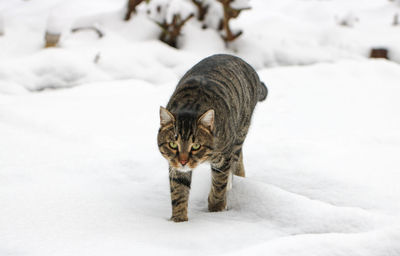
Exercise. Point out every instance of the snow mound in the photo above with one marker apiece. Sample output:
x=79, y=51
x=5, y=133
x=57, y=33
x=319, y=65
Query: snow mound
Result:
x=295, y=213
x=51, y=69
x=274, y=34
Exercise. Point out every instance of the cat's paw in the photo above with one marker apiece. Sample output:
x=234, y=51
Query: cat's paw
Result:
x=217, y=207
x=179, y=218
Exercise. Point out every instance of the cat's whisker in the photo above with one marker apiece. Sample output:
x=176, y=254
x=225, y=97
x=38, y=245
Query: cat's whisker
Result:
x=216, y=169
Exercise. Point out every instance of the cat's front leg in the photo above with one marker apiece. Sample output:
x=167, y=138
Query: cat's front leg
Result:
x=217, y=197
x=180, y=187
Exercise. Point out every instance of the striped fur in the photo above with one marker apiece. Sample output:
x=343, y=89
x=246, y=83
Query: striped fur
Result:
x=211, y=107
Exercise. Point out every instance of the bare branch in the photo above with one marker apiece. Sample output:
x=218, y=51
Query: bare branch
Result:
x=99, y=33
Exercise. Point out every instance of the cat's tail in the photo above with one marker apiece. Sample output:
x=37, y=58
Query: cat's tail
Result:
x=262, y=92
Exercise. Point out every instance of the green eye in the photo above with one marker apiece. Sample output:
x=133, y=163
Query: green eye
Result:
x=196, y=146
x=173, y=145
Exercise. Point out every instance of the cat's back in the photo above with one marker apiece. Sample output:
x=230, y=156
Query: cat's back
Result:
x=219, y=67
x=215, y=78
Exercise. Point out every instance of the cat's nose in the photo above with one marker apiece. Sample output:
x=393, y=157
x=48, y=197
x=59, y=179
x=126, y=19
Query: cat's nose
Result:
x=183, y=158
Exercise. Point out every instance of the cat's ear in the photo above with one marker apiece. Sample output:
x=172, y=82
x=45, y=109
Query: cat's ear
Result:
x=165, y=116
x=207, y=119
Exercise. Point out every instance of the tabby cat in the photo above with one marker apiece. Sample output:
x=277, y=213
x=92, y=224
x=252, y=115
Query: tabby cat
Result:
x=207, y=119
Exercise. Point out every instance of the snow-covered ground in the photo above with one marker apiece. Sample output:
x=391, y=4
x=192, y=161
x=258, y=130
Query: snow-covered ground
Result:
x=80, y=171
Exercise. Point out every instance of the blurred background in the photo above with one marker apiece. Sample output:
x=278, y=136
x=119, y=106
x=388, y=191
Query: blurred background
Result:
x=119, y=39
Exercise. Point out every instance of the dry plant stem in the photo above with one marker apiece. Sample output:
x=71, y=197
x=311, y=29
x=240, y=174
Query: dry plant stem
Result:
x=131, y=8
x=171, y=31
x=379, y=53
x=51, y=40
x=230, y=13
x=396, y=19
x=202, y=9
x=98, y=31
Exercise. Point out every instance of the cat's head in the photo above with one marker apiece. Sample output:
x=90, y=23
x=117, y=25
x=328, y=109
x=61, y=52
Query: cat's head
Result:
x=186, y=139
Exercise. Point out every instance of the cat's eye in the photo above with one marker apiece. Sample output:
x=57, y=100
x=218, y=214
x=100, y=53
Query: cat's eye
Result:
x=173, y=145
x=196, y=146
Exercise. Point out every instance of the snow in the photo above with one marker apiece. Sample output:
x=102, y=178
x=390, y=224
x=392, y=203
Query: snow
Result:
x=55, y=25
x=165, y=10
x=240, y=4
x=81, y=167
x=1, y=24
x=80, y=171
x=179, y=7
x=215, y=14
x=275, y=34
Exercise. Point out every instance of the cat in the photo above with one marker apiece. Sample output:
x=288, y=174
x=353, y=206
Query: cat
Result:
x=207, y=119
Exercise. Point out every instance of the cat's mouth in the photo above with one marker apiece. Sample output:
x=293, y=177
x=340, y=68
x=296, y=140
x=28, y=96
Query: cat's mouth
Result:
x=184, y=168
x=190, y=165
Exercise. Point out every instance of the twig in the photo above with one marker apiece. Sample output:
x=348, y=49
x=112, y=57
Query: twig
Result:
x=95, y=29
